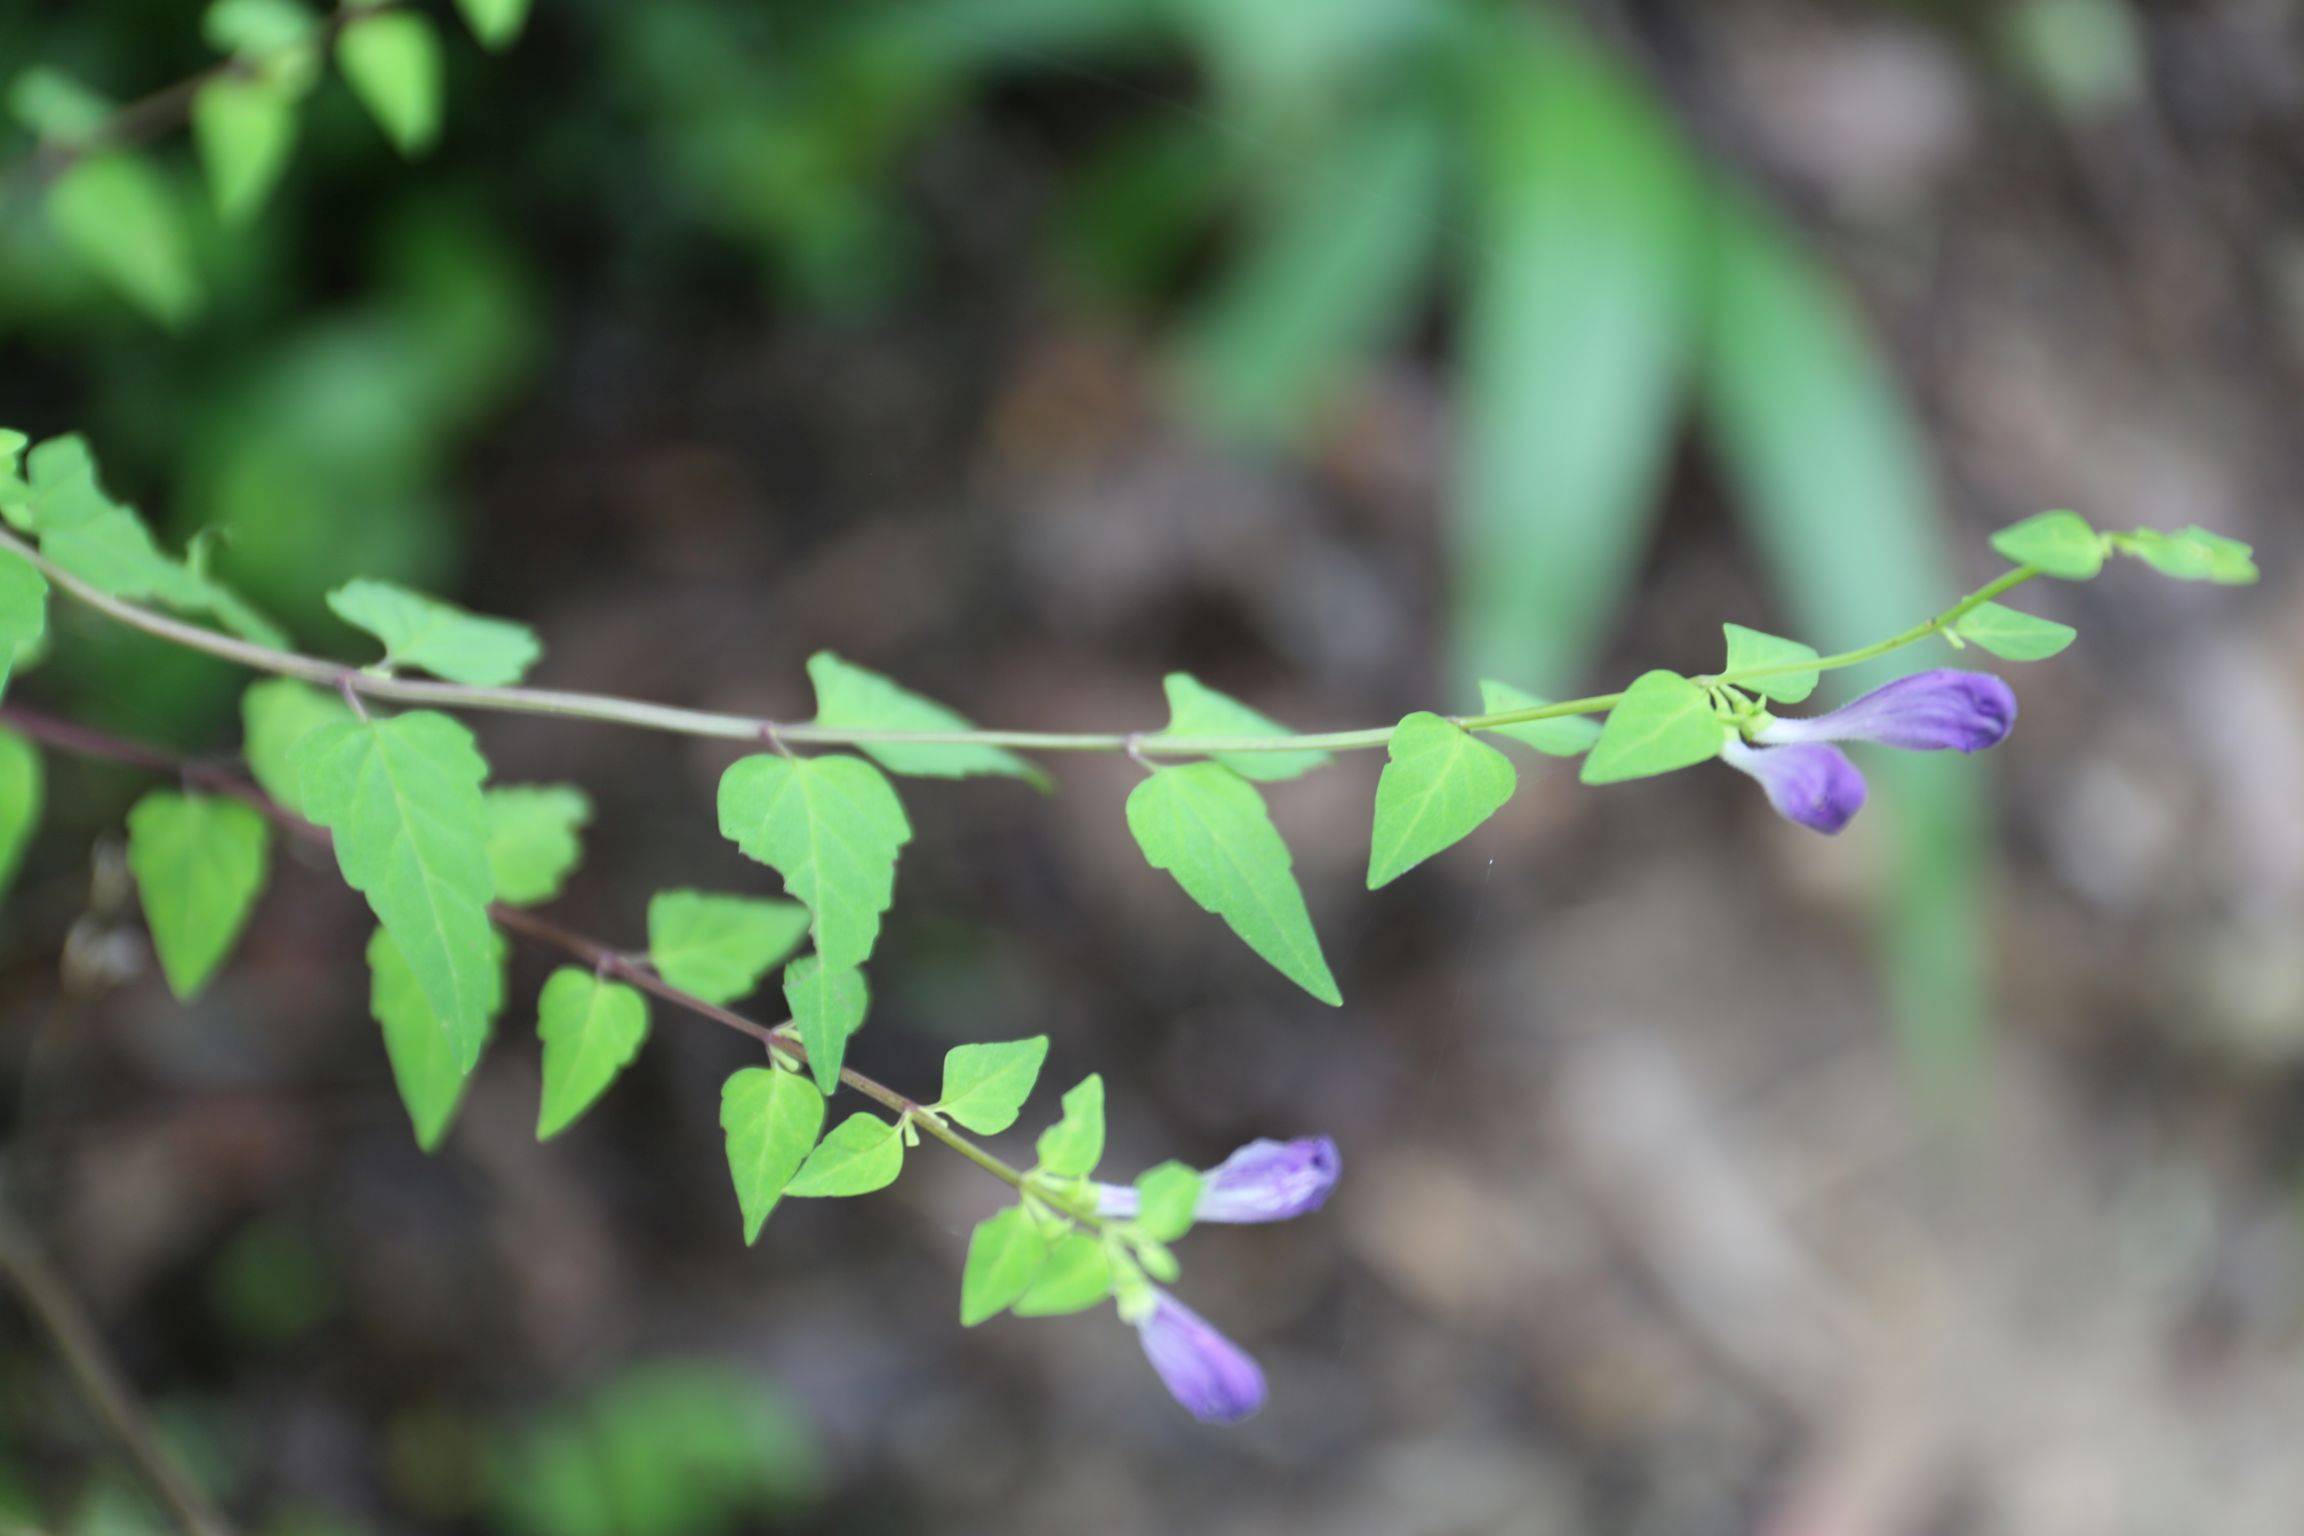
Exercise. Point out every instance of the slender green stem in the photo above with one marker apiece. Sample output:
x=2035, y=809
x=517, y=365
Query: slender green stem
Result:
x=643, y=715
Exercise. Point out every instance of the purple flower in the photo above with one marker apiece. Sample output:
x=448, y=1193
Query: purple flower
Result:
x=1209, y=1374
x=1926, y=712
x=1265, y=1180
x=1812, y=784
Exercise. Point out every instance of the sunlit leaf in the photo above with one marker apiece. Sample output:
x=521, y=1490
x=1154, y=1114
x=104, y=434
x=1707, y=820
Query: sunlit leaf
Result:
x=591, y=1029
x=985, y=1085
x=863, y=1153
x=827, y=1004
x=832, y=827
x=771, y=1119
x=1439, y=783
x=1663, y=722
x=1207, y=826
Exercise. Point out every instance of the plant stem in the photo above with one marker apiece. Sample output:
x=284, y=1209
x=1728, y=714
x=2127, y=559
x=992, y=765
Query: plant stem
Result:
x=100, y=1380
x=643, y=715
x=84, y=741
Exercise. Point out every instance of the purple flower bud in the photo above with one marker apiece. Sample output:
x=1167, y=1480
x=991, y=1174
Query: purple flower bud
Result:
x=1926, y=712
x=1209, y=1374
x=1812, y=784
x=1265, y=1180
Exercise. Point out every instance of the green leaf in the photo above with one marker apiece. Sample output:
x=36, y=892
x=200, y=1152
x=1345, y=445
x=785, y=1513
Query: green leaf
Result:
x=104, y=542
x=442, y=639
x=532, y=843
x=985, y=1086
x=23, y=613
x=2192, y=555
x=2059, y=544
x=771, y=1118
x=1166, y=1197
x=828, y=1004
x=256, y=29
x=849, y=697
x=1076, y=1275
x=832, y=827
x=1206, y=826
x=1562, y=736
x=1663, y=722
x=495, y=22
x=1074, y=1145
x=392, y=63
x=1005, y=1254
x=2011, y=635
x=591, y=1029
x=402, y=796
x=1439, y=783
x=1195, y=709
x=57, y=107
x=1341, y=260
x=199, y=862
x=125, y=221
x=718, y=947
x=425, y=1067
x=1750, y=648
x=245, y=130
x=275, y=717
x=21, y=791
x=863, y=1153
x=1583, y=263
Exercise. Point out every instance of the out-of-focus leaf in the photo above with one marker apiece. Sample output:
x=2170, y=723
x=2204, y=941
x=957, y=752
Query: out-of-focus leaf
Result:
x=21, y=783
x=1330, y=274
x=392, y=62
x=1075, y=1276
x=275, y=717
x=495, y=22
x=125, y=221
x=718, y=947
x=532, y=841
x=1834, y=486
x=245, y=130
x=23, y=613
x=199, y=862
x=2012, y=635
x=2059, y=544
x=440, y=638
x=55, y=106
x=1576, y=329
x=1565, y=736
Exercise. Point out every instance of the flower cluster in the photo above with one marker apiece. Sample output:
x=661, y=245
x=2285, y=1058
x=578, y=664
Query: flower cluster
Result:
x=1812, y=782
x=1217, y=1381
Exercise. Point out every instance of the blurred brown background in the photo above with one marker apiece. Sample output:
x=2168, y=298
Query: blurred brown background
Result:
x=1701, y=1175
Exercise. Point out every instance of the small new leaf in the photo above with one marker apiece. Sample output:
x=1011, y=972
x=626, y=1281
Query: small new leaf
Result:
x=2059, y=544
x=771, y=1119
x=863, y=1153
x=1074, y=1145
x=2195, y=554
x=718, y=947
x=1076, y=1275
x=23, y=613
x=21, y=783
x=850, y=697
x=1195, y=709
x=440, y=638
x=1166, y=1197
x=1663, y=722
x=392, y=62
x=1005, y=1254
x=985, y=1086
x=832, y=827
x=827, y=1005
x=591, y=1030
x=199, y=863
x=532, y=843
x=1206, y=826
x=402, y=797
x=275, y=717
x=424, y=1067
x=2012, y=635
x=1563, y=736
x=1439, y=783
x=1751, y=648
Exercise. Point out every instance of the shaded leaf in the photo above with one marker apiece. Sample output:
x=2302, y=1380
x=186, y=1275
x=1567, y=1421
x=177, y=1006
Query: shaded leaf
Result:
x=392, y=62
x=718, y=947
x=425, y=1067
x=2059, y=544
x=199, y=863
x=22, y=787
x=2012, y=635
x=245, y=130
x=23, y=613
x=124, y=220
x=275, y=717
x=532, y=842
